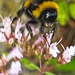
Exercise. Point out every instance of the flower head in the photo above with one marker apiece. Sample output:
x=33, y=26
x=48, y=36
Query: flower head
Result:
x=34, y=30
x=18, y=33
x=3, y=61
x=2, y=37
x=7, y=21
x=71, y=50
x=68, y=53
x=54, y=50
x=66, y=56
x=40, y=39
x=7, y=26
x=49, y=37
x=15, y=68
x=14, y=53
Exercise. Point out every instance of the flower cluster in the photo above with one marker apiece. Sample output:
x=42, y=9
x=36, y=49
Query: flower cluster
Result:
x=15, y=65
x=19, y=38
x=6, y=33
x=68, y=53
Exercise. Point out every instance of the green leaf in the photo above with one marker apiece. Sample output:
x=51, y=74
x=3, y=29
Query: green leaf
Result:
x=53, y=61
x=33, y=66
x=67, y=67
x=25, y=61
x=63, y=15
x=49, y=73
x=29, y=65
x=72, y=10
x=6, y=53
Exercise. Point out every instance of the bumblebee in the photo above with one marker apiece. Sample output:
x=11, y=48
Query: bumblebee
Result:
x=43, y=11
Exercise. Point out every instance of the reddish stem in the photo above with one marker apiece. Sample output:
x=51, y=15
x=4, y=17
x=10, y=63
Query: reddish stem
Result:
x=49, y=68
x=44, y=68
x=40, y=64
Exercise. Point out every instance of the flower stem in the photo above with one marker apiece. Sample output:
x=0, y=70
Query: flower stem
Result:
x=51, y=67
x=40, y=64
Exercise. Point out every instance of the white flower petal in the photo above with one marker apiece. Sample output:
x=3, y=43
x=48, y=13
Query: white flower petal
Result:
x=54, y=50
x=14, y=53
x=71, y=50
x=7, y=26
x=15, y=68
x=49, y=37
x=66, y=56
x=2, y=37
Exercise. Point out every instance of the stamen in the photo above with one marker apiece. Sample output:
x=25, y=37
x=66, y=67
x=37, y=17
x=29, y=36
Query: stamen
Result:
x=59, y=41
x=62, y=46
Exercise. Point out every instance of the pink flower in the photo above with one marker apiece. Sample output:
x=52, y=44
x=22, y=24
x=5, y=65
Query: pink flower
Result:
x=27, y=35
x=40, y=39
x=53, y=50
x=18, y=33
x=34, y=30
x=15, y=68
x=1, y=74
x=26, y=32
x=49, y=37
x=68, y=53
x=71, y=50
x=14, y=53
x=6, y=21
x=2, y=37
x=66, y=56
x=7, y=26
x=3, y=61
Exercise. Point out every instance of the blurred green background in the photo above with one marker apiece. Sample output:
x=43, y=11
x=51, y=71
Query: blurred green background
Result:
x=65, y=28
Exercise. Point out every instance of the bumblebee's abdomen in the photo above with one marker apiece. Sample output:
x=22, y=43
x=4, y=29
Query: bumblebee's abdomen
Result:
x=45, y=5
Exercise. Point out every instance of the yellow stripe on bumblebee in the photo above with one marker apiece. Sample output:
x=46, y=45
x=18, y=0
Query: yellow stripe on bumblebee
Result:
x=27, y=3
x=43, y=6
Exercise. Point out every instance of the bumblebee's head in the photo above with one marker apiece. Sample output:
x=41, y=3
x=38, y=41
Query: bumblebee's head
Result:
x=49, y=16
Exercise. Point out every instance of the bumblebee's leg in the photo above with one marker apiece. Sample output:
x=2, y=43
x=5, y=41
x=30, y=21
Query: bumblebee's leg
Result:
x=19, y=13
x=42, y=29
x=28, y=25
x=54, y=30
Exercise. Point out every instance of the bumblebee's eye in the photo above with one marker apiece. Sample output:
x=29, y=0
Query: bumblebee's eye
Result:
x=49, y=15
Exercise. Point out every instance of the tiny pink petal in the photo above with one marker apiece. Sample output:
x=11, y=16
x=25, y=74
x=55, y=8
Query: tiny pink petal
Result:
x=34, y=30
x=40, y=39
x=67, y=56
x=49, y=37
x=53, y=50
x=14, y=53
x=7, y=26
x=71, y=50
x=15, y=68
x=2, y=37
